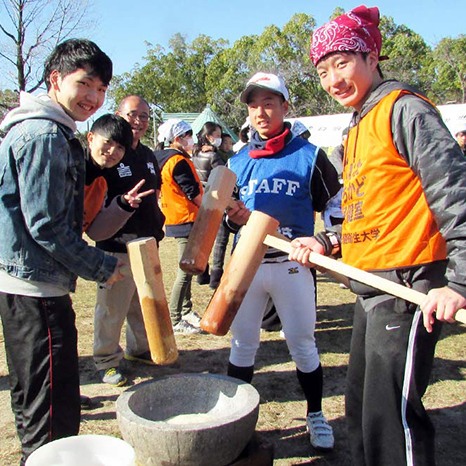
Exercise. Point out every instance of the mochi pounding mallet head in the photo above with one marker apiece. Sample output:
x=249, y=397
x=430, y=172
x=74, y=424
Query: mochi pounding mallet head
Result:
x=147, y=274
x=216, y=198
x=239, y=273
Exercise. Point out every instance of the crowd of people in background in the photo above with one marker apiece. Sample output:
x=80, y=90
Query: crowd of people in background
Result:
x=120, y=190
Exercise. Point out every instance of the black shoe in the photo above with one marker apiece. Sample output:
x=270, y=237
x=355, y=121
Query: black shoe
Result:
x=88, y=404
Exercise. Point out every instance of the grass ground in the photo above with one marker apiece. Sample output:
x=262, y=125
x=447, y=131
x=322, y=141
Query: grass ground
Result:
x=281, y=419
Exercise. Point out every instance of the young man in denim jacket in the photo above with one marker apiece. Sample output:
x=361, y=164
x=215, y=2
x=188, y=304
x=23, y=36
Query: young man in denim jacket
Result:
x=41, y=249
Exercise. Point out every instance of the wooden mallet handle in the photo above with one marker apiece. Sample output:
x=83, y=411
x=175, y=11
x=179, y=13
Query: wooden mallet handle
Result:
x=147, y=273
x=361, y=276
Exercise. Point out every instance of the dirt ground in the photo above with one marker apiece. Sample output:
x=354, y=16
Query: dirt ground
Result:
x=282, y=409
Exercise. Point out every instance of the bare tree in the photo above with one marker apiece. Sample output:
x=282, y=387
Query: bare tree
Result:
x=29, y=30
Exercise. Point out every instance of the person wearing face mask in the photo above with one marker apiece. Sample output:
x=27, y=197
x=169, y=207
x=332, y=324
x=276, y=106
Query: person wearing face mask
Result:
x=205, y=152
x=180, y=199
x=205, y=158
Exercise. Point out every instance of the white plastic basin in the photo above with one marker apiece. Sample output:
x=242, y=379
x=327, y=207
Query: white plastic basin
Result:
x=80, y=450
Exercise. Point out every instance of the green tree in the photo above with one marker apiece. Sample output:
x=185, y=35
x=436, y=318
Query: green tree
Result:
x=225, y=78
x=449, y=68
x=409, y=55
x=283, y=51
x=187, y=76
x=286, y=52
x=173, y=80
x=8, y=101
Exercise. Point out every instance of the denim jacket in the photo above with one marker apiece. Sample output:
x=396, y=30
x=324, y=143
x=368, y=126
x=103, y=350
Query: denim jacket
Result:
x=41, y=199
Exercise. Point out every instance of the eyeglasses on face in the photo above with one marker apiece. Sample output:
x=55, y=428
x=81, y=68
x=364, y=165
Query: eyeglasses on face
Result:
x=142, y=117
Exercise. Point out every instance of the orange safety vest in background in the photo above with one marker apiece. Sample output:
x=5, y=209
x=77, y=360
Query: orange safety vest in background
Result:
x=388, y=223
x=177, y=208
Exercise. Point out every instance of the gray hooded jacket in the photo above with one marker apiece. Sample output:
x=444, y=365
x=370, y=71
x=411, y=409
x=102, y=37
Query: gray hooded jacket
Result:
x=421, y=137
x=41, y=202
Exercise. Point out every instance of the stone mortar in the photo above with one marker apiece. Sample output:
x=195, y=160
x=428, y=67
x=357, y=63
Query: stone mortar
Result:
x=188, y=419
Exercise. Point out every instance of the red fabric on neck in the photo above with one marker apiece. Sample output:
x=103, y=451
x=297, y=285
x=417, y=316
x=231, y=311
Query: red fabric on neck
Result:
x=271, y=146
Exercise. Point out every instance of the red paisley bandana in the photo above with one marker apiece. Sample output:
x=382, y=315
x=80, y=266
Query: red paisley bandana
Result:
x=356, y=31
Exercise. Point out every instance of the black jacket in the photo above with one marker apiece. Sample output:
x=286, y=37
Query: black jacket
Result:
x=148, y=220
x=205, y=162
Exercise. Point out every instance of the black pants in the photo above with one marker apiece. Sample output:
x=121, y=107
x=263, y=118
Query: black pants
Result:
x=41, y=349
x=220, y=247
x=390, y=363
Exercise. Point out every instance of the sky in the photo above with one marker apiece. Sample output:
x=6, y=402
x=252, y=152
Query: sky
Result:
x=123, y=26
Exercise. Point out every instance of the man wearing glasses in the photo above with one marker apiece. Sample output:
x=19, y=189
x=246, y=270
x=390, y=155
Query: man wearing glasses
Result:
x=117, y=303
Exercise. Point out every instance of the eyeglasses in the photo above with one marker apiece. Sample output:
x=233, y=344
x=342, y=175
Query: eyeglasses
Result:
x=142, y=117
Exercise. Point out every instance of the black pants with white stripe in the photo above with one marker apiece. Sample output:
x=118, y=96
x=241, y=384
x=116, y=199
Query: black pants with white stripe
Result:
x=41, y=348
x=390, y=363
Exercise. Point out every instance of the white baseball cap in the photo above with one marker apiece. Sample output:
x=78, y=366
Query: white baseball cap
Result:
x=172, y=128
x=268, y=81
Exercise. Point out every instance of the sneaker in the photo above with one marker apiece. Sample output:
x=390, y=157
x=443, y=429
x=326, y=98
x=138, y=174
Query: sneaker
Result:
x=113, y=376
x=184, y=327
x=192, y=318
x=320, y=431
x=145, y=358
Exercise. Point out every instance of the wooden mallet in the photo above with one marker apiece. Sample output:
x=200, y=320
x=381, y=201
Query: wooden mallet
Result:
x=239, y=273
x=256, y=235
x=147, y=274
x=215, y=200
x=380, y=283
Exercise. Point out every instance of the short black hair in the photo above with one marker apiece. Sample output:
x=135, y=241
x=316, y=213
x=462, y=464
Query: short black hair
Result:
x=114, y=127
x=73, y=54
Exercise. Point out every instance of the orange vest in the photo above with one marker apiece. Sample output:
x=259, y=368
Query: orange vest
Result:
x=94, y=197
x=177, y=208
x=388, y=223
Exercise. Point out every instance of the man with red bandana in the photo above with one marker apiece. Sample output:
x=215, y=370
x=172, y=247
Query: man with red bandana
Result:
x=288, y=178
x=404, y=219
